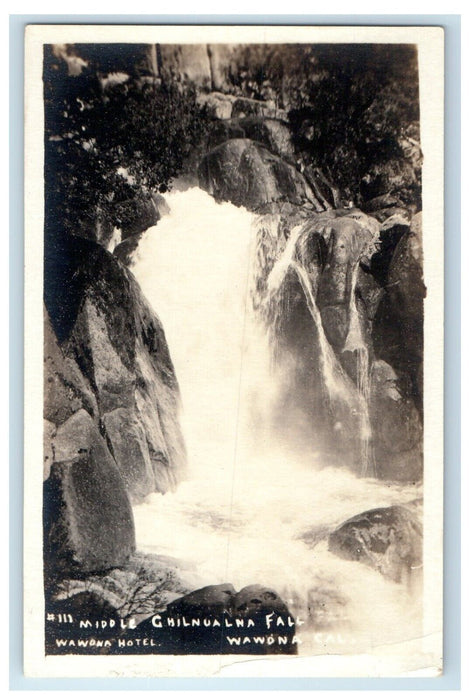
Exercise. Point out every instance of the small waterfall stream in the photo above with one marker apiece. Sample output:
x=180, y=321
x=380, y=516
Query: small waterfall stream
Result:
x=338, y=386
x=356, y=344
x=335, y=380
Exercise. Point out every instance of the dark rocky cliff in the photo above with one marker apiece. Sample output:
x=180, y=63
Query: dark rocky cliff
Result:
x=112, y=434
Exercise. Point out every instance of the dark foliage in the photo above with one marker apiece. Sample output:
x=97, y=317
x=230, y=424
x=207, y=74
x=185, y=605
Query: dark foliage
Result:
x=110, y=140
x=358, y=119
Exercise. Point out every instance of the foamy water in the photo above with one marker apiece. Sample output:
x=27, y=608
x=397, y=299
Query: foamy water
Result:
x=253, y=511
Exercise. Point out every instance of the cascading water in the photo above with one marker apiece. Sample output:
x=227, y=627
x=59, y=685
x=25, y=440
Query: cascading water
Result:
x=336, y=383
x=356, y=344
x=340, y=392
x=254, y=510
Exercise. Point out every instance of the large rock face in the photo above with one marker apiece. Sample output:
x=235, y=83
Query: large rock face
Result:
x=398, y=325
x=270, y=133
x=87, y=513
x=66, y=390
x=348, y=242
x=111, y=432
x=247, y=174
x=88, y=523
x=186, y=63
x=396, y=425
x=106, y=328
x=349, y=308
x=405, y=276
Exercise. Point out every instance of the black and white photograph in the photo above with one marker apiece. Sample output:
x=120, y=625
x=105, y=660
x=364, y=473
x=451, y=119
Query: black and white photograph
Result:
x=234, y=351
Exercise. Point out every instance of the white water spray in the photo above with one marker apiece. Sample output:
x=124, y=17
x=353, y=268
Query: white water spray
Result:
x=252, y=510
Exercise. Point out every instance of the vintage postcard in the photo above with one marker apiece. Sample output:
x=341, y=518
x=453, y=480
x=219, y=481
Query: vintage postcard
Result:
x=234, y=351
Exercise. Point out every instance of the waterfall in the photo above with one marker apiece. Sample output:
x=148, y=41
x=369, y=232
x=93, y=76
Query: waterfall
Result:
x=335, y=380
x=356, y=344
x=116, y=238
x=281, y=266
x=253, y=503
x=341, y=394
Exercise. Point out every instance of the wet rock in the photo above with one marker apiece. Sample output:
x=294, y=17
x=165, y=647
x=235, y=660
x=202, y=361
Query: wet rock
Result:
x=397, y=427
x=255, y=599
x=335, y=319
x=348, y=241
x=346, y=256
x=246, y=174
x=210, y=600
x=319, y=397
x=369, y=293
x=386, y=539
